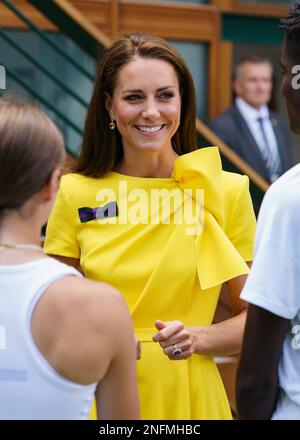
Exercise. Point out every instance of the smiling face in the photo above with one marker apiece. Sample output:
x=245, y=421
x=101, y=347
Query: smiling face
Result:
x=290, y=92
x=146, y=105
x=254, y=83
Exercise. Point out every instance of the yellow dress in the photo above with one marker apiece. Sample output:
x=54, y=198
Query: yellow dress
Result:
x=163, y=271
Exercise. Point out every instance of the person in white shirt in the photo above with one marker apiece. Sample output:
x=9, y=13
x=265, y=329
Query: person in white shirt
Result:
x=63, y=338
x=257, y=134
x=268, y=380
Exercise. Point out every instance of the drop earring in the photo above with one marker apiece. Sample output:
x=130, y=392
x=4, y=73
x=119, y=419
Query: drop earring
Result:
x=112, y=125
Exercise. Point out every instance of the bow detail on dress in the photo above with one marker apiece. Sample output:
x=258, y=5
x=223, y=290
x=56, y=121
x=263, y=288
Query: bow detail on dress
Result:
x=87, y=214
x=217, y=258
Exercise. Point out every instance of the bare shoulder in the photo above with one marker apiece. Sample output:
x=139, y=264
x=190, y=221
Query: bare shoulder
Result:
x=82, y=297
x=78, y=289
x=78, y=325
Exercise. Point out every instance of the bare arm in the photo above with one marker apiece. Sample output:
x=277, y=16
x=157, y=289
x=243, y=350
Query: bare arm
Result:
x=257, y=378
x=116, y=394
x=222, y=339
x=85, y=331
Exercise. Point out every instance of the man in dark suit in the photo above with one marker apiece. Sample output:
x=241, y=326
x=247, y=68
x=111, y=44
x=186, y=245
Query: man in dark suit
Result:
x=256, y=134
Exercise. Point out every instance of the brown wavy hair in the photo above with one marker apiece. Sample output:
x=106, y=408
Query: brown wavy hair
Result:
x=31, y=147
x=102, y=148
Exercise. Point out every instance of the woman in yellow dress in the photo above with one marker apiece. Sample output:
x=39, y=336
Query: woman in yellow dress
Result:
x=148, y=213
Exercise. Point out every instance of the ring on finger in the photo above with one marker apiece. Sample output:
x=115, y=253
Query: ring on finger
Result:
x=176, y=351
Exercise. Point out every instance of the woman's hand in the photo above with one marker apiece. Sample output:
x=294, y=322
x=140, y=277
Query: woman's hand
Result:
x=173, y=335
x=221, y=339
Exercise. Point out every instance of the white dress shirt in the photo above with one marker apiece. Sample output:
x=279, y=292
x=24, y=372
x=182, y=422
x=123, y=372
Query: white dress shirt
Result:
x=250, y=114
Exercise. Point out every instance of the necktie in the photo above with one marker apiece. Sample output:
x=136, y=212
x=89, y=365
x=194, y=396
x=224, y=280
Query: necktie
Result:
x=271, y=158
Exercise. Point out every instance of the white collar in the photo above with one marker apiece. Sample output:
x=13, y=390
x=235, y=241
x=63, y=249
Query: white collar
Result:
x=250, y=112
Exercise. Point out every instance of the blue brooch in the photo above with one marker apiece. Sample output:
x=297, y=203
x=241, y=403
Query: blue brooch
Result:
x=86, y=214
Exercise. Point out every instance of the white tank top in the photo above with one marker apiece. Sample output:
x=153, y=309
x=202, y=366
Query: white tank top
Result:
x=30, y=388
